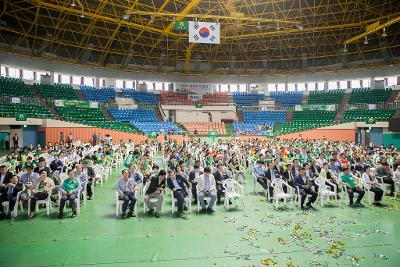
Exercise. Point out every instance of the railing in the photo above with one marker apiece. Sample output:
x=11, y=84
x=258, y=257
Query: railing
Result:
x=23, y=99
x=13, y=114
x=377, y=106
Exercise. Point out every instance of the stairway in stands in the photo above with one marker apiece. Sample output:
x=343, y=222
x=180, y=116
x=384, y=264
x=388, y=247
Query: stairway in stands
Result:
x=342, y=108
x=289, y=116
x=239, y=113
x=392, y=98
x=105, y=112
x=80, y=95
x=47, y=103
x=304, y=100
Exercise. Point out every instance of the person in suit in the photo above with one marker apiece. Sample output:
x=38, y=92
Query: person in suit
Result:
x=302, y=181
x=315, y=169
x=180, y=188
x=288, y=174
x=277, y=167
x=207, y=188
x=15, y=141
x=12, y=187
x=259, y=173
x=370, y=179
x=330, y=176
x=156, y=190
x=219, y=179
x=193, y=179
x=271, y=174
x=89, y=172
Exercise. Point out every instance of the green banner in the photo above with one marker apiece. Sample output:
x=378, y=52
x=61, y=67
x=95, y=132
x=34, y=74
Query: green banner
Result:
x=77, y=104
x=21, y=117
x=152, y=134
x=270, y=134
x=315, y=107
x=370, y=120
x=199, y=105
x=181, y=25
x=212, y=134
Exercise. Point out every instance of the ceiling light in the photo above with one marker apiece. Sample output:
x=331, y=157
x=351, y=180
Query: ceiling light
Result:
x=384, y=34
x=126, y=17
x=365, y=40
x=300, y=27
x=82, y=14
x=345, y=48
x=258, y=25
x=73, y=3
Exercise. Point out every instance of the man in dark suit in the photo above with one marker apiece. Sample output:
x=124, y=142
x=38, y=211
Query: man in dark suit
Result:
x=5, y=178
x=271, y=174
x=219, y=178
x=180, y=188
x=90, y=175
x=156, y=190
x=288, y=175
x=193, y=179
x=42, y=166
x=315, y=169
x=302, y=181
x=277, y=167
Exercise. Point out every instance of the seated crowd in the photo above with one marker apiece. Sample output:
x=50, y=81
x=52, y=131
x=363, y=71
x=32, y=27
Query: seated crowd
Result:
x=193, y=171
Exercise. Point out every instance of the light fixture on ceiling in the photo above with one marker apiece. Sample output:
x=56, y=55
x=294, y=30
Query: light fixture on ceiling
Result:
x=151, y=19
x=300, y=27
x=365, y=40
x=82, y=14
x=73, y=4
x=126, y=17
x=384, y=34
x=258, y=25
x=345, y=48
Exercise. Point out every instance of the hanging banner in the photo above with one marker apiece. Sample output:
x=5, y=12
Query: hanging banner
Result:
x=194, y=97
x=212, y=134
x=21, y=117
x=315, y=107
x=152, y=134
x=15, y=100
x=77, y=104
x=181, y=25
x=370, y=120
x=371, y=106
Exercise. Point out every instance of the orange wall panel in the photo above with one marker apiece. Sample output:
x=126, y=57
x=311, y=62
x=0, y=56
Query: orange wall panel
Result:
x=332, y=135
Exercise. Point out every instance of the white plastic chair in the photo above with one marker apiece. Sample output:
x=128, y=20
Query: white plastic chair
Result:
x=231, y=187
x=279, y=194
x=18, y=202
x=187, y=199
x=367, y=187
x=77, y=200
x=382, y=185
x=99, y=174
x=358, y=181
x=323, y=190
x=46, y=202
x=119, y=202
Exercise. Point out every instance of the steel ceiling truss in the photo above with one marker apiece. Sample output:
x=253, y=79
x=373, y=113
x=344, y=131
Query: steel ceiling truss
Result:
x=280, y=32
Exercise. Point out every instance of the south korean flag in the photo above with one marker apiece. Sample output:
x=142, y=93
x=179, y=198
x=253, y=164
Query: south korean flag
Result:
x=204, y=32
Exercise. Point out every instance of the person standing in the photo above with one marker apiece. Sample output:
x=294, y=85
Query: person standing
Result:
x=15, y=141
x=7, y=141
x=62, y=138
x=94, y=139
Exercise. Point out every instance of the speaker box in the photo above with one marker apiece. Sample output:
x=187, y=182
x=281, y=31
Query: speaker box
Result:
x=394, y=125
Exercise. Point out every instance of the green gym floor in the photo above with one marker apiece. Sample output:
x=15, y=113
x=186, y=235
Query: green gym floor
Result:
x=256, y=236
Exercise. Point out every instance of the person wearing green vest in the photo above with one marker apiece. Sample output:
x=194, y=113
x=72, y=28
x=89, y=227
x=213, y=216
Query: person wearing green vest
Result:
x=70, y=191
x=348, y=181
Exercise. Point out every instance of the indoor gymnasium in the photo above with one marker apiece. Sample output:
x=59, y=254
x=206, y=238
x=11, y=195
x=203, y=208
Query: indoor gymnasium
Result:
x=180, y=133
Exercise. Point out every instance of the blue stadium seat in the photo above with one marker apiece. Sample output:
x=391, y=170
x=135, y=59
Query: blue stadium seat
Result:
x=138, y=115
x=287, y=98
x=99, y=95
x=264, y=117
x=159, y=127
x=245, y=99
x=140, y=97
x=252, y=128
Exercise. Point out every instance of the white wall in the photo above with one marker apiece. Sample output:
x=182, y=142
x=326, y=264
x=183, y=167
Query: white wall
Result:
x=111, y=74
